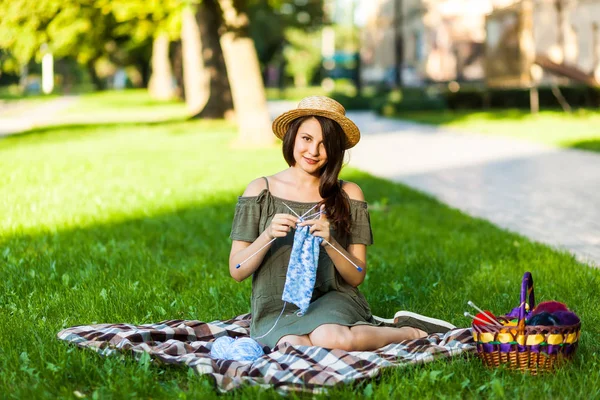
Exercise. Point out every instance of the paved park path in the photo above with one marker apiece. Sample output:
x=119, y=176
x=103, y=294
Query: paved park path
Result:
x=548, y=194
x=21, y=116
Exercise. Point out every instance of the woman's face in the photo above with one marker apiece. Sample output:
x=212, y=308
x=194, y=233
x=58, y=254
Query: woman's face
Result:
x=309, y=150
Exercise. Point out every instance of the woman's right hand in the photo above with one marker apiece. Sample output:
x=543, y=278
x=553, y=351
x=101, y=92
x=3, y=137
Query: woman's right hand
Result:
x=280, y=225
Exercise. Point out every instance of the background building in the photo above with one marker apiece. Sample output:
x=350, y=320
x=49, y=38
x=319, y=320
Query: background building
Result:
x=446, y=40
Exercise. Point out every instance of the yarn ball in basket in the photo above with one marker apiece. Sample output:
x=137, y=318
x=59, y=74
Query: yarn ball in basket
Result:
x=544, y=318
x=550, y=307
x=488, y=317
x=567, y=317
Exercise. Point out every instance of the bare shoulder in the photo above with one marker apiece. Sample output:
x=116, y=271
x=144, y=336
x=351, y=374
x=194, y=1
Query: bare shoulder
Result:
x=353, y=191
x=255, y=187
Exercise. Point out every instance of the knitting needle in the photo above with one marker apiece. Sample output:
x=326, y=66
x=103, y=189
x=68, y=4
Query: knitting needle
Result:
x=483, y=312
x=255, y=253
x=478, y=319
x=300, y=217
x=475, y=307
x=332, y=246
x=314, y=215
x=312, y=208
x=272, y=240
x=343, y=255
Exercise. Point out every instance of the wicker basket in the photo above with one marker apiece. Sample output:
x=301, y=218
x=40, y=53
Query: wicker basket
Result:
x=522, y=347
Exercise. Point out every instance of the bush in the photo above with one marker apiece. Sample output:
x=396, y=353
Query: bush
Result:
x=576, y=96
x=358, y=102
x=408, y=99
x=391, y=102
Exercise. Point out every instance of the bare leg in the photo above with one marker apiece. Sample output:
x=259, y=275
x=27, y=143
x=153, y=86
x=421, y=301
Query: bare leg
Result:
x=373, y=337
x=302, y=340
x=361, y=337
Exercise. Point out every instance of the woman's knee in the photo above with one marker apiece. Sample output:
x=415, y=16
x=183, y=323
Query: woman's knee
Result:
x=333, y=337
x=295, y=340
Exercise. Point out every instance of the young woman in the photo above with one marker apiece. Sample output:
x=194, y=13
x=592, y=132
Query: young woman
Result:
x=315, y=137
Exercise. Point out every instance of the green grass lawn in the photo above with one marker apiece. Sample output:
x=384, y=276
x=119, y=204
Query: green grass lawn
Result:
x=130, y=223
x=121, y=107
x=580, y=129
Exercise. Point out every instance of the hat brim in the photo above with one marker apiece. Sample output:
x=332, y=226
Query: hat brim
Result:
x=282, y=123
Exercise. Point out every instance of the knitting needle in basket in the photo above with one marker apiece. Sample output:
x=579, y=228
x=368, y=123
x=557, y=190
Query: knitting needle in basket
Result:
x=466, y=314
x=332, y=246
x=483, y=312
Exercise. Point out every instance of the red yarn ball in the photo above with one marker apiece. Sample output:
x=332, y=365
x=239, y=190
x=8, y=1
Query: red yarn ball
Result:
x=550, y=307
x=488, y=317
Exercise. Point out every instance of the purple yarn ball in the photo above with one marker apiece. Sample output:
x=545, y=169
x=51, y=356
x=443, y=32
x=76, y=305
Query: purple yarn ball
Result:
x=567, y=317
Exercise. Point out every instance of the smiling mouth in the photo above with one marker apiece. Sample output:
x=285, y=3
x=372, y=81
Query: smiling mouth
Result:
x=308, y=160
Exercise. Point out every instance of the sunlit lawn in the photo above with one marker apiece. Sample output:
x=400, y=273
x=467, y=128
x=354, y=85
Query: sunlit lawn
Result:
x=132, y=105
x=130, y=223
x=580, y=129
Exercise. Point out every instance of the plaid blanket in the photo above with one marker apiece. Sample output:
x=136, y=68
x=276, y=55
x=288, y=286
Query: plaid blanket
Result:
x=286, y=367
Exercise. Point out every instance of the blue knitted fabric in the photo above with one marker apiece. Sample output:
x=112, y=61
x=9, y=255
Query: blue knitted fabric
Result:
x=302, y=269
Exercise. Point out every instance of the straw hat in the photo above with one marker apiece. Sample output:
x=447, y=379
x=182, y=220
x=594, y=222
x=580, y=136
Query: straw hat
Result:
x=321, y=106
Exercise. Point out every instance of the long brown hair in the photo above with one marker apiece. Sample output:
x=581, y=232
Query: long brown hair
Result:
x=336, y=202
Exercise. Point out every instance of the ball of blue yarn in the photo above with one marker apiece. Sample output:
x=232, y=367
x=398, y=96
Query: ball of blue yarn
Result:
x=246, y=349
x=241, y=349
x=220, y=347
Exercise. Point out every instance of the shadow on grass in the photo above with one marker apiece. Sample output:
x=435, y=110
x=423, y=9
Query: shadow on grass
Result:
x=427, y=258
x=422, y=249
x=589, y=145
x=184, y=252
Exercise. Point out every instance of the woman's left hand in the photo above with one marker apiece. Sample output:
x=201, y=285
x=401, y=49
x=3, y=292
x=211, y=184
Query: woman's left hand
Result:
x=319, y=227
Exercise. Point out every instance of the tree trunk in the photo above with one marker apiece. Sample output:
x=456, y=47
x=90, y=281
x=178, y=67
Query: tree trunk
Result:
x=23, y=77
x=247, y=88
x=219, y=103
x=398, y=41
x=194, y=77
x=144, y=68
x=161, y=80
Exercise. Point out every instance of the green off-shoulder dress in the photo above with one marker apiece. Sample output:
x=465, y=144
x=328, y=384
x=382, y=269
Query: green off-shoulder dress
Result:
x=334, y=301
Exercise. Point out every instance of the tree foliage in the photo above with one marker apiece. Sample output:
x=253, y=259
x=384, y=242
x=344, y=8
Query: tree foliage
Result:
x=120, y=30
x=302, y=54
x=143, y=19
x=269, y=20
x=67, y=28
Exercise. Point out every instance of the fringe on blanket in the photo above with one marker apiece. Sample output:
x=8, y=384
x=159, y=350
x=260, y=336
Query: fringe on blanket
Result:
x=286, y=368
